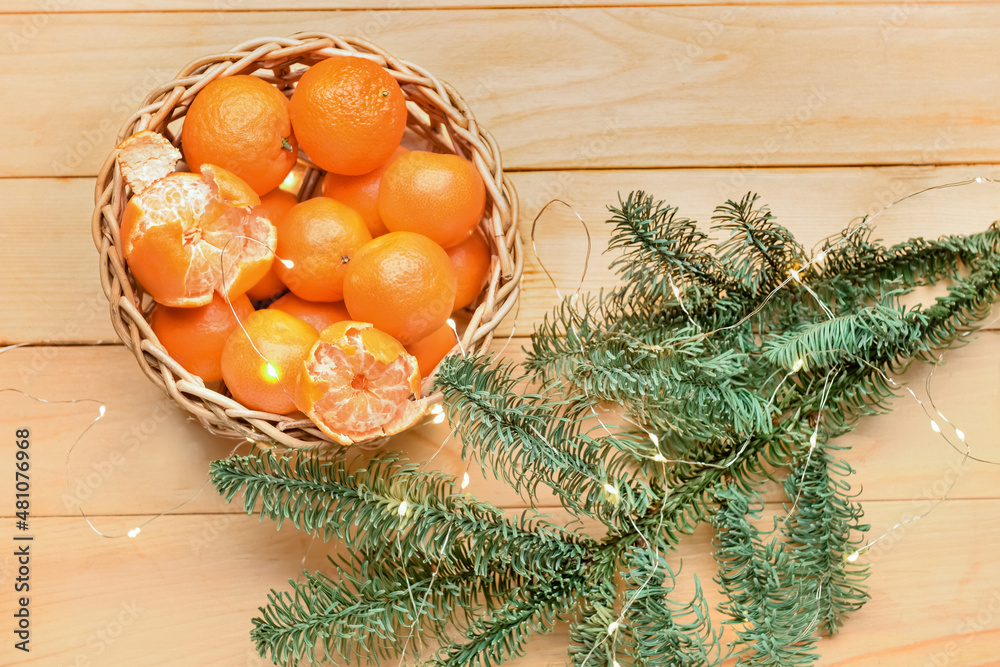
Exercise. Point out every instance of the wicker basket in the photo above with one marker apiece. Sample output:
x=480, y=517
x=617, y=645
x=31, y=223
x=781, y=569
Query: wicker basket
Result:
x=437, y=114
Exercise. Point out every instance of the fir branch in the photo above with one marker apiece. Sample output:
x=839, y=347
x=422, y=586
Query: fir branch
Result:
x=724, y=403
x=661, y=631
x=775, y=620
x=503, y=634
x=825, y=528
x=534, y=439
x=759, y=253
x=830, y=342
x=660, y=249
x=854, y=264
x=361, y=507
x=588, y=636
x=321, y=620
x=375, y=609
x=969, y=301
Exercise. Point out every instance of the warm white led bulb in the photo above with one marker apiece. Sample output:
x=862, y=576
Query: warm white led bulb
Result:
x=812, y=439
x=935, y=427
x=853, y=557
x=437, y=409
x=134, y=532
x=797, y=366
x=613, y=628
x=102, y=410
x=610, y=489
x=677, y=291
x=960, y=434
x=465, y=480
x=403, y=506
x=820, y=256
x=439, y=418
x=270, y=371
x=656, y=440
x=660, y=458
x=795, y=275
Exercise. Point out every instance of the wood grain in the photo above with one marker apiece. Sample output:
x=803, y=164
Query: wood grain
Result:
x=34, y=7
x=146, y=442
x=188, y=585
x=830, y=110
x=687, y=86
x=59, y=268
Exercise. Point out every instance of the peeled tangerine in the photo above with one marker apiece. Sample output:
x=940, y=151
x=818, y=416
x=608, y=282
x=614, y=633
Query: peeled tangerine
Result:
x=359, y=383
x=186, y=236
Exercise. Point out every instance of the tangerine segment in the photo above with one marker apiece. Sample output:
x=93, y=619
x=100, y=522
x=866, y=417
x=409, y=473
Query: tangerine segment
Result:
x=349, y=114
x=175, y=232
x=403, y=283
x=241, y=123
x=440, y=196
x=262, y=374
x=358, y=383
x=194, y=337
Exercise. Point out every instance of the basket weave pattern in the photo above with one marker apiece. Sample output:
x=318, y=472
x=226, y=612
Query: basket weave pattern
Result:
x=437, y=114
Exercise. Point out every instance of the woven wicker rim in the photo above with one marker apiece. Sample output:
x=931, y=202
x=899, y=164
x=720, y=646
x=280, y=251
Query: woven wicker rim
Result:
x=437, y=113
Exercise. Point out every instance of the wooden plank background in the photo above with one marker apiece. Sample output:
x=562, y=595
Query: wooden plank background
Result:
x=830, y=110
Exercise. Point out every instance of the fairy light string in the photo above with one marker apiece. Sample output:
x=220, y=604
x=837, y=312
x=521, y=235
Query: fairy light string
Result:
x=795, y=276
x=102, y=410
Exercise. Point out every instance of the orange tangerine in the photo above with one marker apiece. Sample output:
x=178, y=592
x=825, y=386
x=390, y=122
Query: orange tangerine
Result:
x=241, y=123
x=403, y=283
x=275, y=204
x=194, y=337
x=349, y=114
x=358, y=383
x=361, y=192
x=177, y=233
x=471, y=259
x=318, y=239
x=431, y=349
x=261, y=375
x=318, y=314
x=440, y=196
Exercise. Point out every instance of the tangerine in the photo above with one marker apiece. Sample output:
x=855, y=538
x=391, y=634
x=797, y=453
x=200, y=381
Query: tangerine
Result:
x=261, y=375
x=349, y=114
x=403, y=283
x=194, y=337
x=318, y=239
x=361, y=192
x=440, y=196
x=431, y=349
x=275, y=204
x=471, y=259
x=177, y=233
x=241, y=123
x=318, y=314
x=358, y=383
